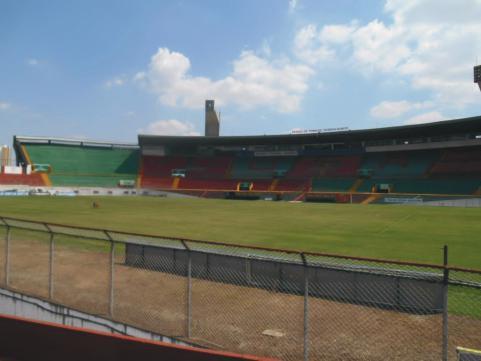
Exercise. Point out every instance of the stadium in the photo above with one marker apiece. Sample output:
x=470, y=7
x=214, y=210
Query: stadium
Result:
x=434, y=161
x=159, y=240
x=332, y=212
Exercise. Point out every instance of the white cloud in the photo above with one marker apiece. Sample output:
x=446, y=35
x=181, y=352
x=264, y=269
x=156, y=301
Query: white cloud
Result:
x=336, y=33
x=140, y=76
x=266, y=49
x=170, y=127
x=33, y=62
x=115, y=82
x=425, y=118
x=4, y=105
x=435, y=11
x=430, y=43
x=253, y=82
x=309, y=48
x=379, y=47
x=293, y=4
x=394, y=109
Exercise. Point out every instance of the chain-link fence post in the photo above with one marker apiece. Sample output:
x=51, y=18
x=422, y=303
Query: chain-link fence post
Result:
x=51, y=265
x=7, y=256
x=445, y=304
x=111, y=274
x=189, y=291
x=306, y=308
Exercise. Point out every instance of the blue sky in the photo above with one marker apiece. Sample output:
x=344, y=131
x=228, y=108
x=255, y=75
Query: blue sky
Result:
x=112, y=69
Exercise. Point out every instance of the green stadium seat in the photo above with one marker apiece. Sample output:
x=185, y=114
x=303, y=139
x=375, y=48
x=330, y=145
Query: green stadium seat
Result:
x=75, y=165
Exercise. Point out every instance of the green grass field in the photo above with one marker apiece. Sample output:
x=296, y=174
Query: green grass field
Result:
x=393, y=232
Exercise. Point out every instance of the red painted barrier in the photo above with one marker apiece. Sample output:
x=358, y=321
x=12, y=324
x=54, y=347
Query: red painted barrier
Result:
x=24, y=339
x=33, y=179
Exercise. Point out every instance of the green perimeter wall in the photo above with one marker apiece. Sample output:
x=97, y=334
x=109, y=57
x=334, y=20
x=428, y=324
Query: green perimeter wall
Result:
x=85, y=165
x=426, y=186
x=332, y=185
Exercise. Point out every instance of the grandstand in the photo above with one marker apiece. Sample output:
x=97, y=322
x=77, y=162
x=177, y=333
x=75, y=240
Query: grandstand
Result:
x=64, y=162
x=441, y=158
x=436, y=158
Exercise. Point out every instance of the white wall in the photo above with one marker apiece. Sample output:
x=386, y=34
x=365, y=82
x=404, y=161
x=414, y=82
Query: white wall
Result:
x=12, y=170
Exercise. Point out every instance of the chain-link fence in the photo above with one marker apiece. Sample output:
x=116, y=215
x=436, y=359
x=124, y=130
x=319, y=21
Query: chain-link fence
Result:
x=288, y=305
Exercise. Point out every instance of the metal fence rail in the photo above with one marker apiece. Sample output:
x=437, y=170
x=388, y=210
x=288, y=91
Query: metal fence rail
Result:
x=284, y=304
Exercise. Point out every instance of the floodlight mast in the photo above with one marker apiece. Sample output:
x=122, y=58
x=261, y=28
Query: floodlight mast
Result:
x=477, y=75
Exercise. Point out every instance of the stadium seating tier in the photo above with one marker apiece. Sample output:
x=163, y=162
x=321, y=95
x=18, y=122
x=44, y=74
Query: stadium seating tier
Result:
x=86, y=166
x=405, y=172
x=449, y=171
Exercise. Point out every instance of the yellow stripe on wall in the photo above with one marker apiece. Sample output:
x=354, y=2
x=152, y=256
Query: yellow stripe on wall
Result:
x=46, y=179
x=140, y=174
x=175, y=183
x=26, y=155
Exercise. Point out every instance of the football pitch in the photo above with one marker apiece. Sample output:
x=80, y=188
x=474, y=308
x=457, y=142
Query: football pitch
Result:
x=414, y=233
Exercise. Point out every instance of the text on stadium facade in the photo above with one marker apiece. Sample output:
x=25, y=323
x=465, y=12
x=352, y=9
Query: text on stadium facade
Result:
x=325, y=130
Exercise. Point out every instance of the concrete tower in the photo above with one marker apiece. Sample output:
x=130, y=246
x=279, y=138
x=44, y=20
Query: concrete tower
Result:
x=477, y=75
x=211, y=120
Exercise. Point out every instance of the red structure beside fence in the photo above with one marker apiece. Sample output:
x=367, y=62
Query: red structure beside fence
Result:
x=25, y=339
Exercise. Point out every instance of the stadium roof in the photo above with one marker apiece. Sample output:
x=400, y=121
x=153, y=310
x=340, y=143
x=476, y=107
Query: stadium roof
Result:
x=70, y=141
x=447, y=127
